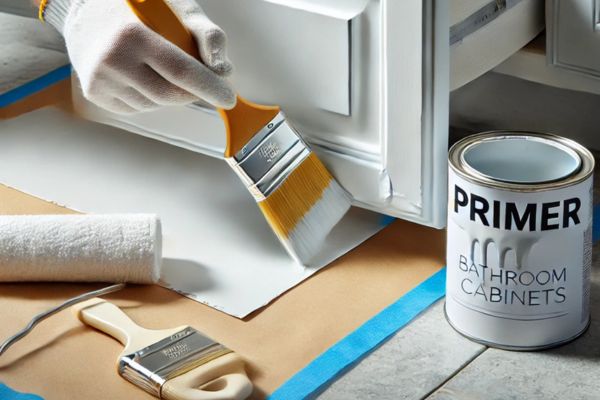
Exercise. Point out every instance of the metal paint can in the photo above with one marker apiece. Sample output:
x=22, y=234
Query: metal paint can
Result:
x=519, y=247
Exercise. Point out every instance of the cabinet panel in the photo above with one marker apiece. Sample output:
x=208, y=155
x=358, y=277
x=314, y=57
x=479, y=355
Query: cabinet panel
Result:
x=574, y=35
x=288, y=55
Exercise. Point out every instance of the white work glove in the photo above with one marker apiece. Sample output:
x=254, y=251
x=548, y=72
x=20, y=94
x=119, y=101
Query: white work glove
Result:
x=126, y=67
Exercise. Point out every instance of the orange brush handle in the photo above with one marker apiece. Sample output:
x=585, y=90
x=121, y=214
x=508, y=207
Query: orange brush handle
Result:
x=246, y=118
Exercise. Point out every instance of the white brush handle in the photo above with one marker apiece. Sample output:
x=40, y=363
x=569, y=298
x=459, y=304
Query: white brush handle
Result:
x=221, y=379
x=109, y=319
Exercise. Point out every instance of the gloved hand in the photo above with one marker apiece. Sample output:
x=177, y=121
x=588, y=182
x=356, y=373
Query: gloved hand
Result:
x=125, y=67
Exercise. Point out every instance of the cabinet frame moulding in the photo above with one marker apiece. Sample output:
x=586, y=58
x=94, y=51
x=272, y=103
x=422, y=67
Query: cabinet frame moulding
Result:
x=553, y=27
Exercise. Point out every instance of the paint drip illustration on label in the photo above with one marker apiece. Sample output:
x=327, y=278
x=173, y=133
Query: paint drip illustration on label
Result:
x=524, y=224
x=495, y=255
x=516, y=261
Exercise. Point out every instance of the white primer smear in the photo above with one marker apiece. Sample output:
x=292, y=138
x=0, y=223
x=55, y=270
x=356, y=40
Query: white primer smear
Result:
x=218, y=249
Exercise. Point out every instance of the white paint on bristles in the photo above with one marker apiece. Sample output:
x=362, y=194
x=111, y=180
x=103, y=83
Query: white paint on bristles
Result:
x=308, y=235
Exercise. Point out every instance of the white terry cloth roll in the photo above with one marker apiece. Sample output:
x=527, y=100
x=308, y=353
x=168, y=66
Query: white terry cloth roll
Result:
x=80, y=248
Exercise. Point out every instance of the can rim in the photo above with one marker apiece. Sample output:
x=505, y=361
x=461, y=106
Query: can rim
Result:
x=510, y=347
x=458, y=163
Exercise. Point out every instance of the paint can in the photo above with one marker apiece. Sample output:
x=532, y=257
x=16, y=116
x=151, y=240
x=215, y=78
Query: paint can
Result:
x=519, y=247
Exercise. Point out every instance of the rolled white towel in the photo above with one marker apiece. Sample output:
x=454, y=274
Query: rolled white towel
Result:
x=80, y=248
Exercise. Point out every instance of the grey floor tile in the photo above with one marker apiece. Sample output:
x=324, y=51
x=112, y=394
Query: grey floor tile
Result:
x=504, y=375
x=411, y=364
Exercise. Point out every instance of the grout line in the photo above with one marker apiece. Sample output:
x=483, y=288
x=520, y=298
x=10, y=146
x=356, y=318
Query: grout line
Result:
x=458, y=370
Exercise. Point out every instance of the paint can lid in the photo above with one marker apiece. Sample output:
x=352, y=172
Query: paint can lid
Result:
x=522, y=161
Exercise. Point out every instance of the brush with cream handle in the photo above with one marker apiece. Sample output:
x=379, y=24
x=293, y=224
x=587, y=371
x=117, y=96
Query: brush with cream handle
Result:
x=172, y=364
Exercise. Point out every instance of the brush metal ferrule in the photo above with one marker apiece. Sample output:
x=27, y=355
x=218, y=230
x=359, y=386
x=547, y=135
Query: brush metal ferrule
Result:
x=151, y=367
x=269, y=157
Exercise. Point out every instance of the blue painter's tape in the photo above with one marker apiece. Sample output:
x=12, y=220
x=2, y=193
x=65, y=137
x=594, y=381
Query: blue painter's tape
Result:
x=7, y=393
x=596, y=224
x=36, y=85
x=387, y=220
x=354, y=347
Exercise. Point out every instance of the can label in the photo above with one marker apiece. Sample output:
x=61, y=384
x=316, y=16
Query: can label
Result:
x=518, y=262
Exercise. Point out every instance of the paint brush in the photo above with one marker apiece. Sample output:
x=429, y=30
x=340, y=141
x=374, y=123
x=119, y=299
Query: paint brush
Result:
x=173, y=364
x=298, y=196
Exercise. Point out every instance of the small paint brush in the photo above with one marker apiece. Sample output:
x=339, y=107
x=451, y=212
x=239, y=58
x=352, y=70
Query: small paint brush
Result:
x=172, y=364
x=297, y=195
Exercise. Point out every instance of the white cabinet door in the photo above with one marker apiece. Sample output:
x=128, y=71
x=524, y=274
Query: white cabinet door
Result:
x=364, y=81
x=296, y=57
x=573, y=35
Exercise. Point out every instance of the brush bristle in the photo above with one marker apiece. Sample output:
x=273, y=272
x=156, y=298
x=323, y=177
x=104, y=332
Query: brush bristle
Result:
x=305, y=208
